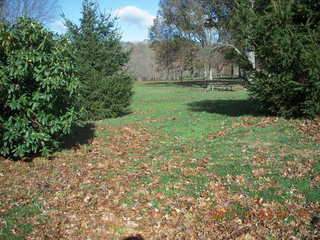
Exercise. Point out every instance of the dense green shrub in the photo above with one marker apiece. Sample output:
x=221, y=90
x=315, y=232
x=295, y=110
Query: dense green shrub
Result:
x=106, y=89
x=285, y=36
x=37, y=89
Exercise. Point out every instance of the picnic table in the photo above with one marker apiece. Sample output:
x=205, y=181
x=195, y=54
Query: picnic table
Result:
x=222, y=83
x=217, y=83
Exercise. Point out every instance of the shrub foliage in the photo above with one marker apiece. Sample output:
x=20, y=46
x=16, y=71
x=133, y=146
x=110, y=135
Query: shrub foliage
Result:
x=106, y=88
x=37, y=89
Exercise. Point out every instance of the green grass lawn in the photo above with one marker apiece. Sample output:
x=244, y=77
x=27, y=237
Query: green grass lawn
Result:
x=225, y=129
x=184, y=164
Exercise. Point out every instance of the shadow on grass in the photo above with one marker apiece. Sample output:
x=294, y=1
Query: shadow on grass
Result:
x=79, y=136
x=202, y=84
x=136, y=237
x=232, y=108
x=170, y=84
x=124, y=113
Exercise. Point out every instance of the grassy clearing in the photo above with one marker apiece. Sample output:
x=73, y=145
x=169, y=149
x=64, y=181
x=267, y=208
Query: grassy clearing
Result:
x=184, y=164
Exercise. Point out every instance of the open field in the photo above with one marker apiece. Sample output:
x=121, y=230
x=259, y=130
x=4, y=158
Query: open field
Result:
x=185, y=164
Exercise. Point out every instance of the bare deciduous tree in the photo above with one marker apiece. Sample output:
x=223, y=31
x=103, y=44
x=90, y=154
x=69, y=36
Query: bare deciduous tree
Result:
x=142, y=61
x=1, y=9
x=208, y=24
x=41, y=10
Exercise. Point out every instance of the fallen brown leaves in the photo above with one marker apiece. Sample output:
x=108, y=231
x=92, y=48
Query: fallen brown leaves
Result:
x=310, y=128
x=89, y=194
x=130, y=140
x=245, y=122
x=298, y=168
x=252, y=122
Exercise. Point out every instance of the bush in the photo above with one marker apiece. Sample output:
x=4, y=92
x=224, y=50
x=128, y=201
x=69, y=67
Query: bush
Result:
x=288, y=49
x=37, y=89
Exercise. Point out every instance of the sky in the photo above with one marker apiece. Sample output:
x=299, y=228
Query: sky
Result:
x=134, y=16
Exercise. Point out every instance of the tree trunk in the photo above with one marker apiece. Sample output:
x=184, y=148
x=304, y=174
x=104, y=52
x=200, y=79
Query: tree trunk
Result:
x=252, y=58
x=210, y=73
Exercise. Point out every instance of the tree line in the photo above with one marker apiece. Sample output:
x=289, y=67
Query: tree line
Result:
x=50, y=83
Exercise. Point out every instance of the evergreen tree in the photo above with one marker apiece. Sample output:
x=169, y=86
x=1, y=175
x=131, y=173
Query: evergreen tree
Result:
x=106, y=88
x=281, y=37
x=285, y=36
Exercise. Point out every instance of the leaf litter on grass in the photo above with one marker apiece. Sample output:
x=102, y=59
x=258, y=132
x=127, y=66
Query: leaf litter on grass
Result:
x=138, y=179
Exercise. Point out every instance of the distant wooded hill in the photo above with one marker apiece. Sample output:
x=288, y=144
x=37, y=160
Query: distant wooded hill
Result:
x=148, y=62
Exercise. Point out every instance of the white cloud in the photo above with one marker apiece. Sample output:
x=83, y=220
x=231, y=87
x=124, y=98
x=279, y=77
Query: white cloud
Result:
x=135, y=15
x=59, y=26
